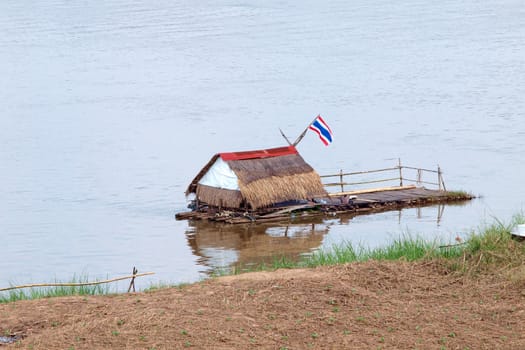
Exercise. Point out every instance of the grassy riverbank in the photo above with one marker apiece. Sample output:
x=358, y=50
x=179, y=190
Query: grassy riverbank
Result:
x=491, y=248
x=409, y=295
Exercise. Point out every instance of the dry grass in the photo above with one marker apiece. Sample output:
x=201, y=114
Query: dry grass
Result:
x=274, y=189
x=221, y=198
x=252, y=170
x=371, y=305
x=494, y=252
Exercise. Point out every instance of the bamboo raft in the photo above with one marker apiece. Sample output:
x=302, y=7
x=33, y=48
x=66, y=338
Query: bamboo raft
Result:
x=357, y=201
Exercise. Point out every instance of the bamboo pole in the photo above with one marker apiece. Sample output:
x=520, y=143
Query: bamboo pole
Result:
x=400, y=172
x=132, y=282
x=399, y=168
x=419, y=182
x=423, y=169
x=440, y=180
x=360, y=183
x=362, y=172
x=286, y=138
x=76, y=284
x=296, y=142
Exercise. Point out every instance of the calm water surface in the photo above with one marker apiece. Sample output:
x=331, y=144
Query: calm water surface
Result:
x=108, y=110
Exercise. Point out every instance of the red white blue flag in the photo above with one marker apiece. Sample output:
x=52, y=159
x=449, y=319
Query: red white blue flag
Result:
x=322, y=129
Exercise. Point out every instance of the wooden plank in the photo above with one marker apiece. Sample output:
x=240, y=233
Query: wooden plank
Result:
x=287, y=210
x=403, y=195
x=372, y=190
x=382, y=197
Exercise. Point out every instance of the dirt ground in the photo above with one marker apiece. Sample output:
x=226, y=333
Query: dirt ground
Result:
x=373, y=305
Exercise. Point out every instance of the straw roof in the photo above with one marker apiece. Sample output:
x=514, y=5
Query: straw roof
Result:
x=265, y=177
x=219, y=197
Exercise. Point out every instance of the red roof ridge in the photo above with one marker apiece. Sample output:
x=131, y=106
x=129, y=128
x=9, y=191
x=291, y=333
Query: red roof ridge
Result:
x=258, y=154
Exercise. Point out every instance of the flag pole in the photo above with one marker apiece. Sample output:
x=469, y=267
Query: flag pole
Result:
x=303, y=133
x=286, y=138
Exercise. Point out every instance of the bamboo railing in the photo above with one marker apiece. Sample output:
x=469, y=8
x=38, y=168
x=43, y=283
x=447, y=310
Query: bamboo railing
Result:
x=398, y=175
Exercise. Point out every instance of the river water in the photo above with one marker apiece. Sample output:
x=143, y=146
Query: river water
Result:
x=109, y=109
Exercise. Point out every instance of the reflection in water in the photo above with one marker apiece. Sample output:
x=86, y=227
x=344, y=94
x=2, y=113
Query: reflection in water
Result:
x=220, y=245
x=440, y=210
x=344, y=218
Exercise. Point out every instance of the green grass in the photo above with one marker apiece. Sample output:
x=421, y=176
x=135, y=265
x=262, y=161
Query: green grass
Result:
x=460, y=195
x=278, y=262
x=163, y=285
x=59, y=291
x=494, y=249
x=407, y=248
x=489, y=248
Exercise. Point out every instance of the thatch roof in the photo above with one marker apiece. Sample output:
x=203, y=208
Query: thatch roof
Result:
x=265, y=177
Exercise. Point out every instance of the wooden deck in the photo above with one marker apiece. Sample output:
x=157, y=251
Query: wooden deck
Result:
x=402, y=196
x=358, y=202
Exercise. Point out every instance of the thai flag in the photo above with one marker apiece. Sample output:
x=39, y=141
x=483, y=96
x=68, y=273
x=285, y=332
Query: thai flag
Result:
x=322, y=129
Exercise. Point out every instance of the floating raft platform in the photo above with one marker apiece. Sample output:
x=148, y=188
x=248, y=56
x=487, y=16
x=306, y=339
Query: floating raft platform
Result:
x=353, y=202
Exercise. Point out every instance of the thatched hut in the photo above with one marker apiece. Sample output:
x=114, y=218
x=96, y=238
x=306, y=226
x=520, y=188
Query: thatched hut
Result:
x=256, y=179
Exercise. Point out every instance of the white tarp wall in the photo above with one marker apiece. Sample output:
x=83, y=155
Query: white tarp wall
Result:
x=221, y=176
